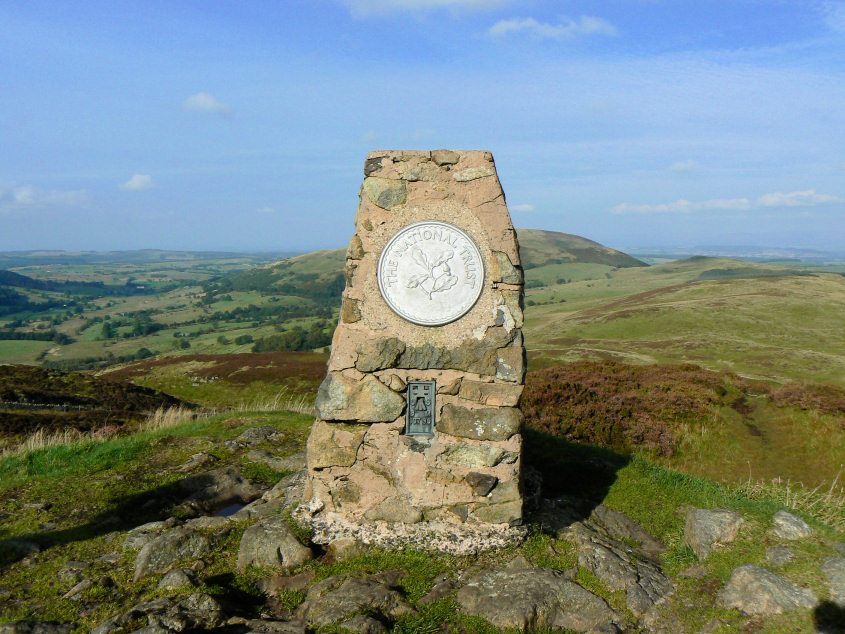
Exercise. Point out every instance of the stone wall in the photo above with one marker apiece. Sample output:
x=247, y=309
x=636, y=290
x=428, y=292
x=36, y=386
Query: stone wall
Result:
x=361, y=465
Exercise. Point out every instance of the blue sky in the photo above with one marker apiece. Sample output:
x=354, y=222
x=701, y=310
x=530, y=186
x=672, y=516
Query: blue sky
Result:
x=244, y=125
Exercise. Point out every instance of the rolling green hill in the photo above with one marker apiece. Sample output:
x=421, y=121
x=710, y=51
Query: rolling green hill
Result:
x=759, y=320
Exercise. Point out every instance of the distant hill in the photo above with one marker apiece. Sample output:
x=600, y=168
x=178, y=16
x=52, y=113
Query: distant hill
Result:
x=547, y=256
x=760, y=320
x=542, y=248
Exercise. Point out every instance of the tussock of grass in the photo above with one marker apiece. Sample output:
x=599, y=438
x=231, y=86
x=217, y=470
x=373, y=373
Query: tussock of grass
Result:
x=283, y=400
x=826, y=504
x=166, y=417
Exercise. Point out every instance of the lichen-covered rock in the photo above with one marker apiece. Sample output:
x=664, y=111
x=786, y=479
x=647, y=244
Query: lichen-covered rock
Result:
x=779, y=555
x=486, y=423
x=338, y=598
x=212, y=489
x=503, y=270
x=491, y=394
x=789, y=526
x=756, y=591
x=384, y=192
x=834, y=569
x=705, y=529
x=165, y=550
x=471, y=455
x=533, y=598
x=510, y=364
x=444, y=157
x=481, y=483
x=341, y=398
x=179, y=578
x=394, y=510
x=334, y=444
x=195, y=613
x=621, y=567
x=350, y=310
x=271, y=544
x=378, y=354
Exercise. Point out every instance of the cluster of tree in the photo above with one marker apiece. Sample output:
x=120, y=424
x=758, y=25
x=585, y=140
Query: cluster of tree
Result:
x=92, y=363
x=297, y=338
x=141, y=324
x=35, y=335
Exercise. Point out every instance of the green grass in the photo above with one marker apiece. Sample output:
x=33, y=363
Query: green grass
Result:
x=774, y=328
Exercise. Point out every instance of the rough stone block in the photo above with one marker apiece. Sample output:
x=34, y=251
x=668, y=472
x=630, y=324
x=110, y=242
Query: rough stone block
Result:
x=486, y=423
x=366, y=401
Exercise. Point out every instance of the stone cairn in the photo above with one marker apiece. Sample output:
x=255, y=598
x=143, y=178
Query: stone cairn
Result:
x=418, y=433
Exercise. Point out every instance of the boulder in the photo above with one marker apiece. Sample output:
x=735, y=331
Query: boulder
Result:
x=486, y=423
x=779, y=555
x=758, y=592
x=278, y=463
x=271, y=543
x=834, y=569
x=533, y=598
x=705, y=529
x=789, y=526
x=621, y=567
x=165, y=550
x=196, y=613
x=341, y=398
x=338, y=598
x=179, y=578
x=215, y=488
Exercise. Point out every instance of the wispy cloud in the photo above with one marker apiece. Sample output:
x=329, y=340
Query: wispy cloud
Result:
x=806, y=198
x=683, y=166
x=834, y=15
x=29, y=197
x=369, y=136
x=523, y=207
x=366, y=8
x=265, y=210
x=138, y=182
x=567, y=29
x=203, y=102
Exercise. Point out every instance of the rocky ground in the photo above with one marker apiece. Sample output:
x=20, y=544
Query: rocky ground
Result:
x=196, y=534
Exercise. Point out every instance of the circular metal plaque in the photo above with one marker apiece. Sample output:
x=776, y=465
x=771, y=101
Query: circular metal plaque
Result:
x=430, y=273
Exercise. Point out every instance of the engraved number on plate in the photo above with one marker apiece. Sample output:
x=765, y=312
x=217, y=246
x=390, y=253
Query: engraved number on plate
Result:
x=419, y=417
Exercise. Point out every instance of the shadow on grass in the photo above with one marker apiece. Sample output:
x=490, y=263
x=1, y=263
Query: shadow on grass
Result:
x=829, y=618
x=123, y=514
x=579, y=474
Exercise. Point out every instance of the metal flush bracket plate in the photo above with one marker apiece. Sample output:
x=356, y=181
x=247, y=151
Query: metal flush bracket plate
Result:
x=419, y=414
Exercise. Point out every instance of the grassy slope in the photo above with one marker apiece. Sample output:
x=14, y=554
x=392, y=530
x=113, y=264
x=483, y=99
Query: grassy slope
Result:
x=778, y=327
x=90, y=483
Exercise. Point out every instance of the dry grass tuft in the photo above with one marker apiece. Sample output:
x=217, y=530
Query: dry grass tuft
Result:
x=42, y=438
x=165, y=417
x=282, y=400
x=824, y=502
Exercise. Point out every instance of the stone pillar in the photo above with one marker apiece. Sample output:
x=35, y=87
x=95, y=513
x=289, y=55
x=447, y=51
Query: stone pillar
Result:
x=434, y=292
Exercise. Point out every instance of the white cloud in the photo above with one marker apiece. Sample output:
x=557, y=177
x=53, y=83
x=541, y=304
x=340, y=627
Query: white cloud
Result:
x=567, y=29
x=364, y=8
x=369, y=136
x=683, y=166
x=203, y=102
x=29, y=197
x=523, y=207
x=807, y=198
x=138, y=182
x=265, y=210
